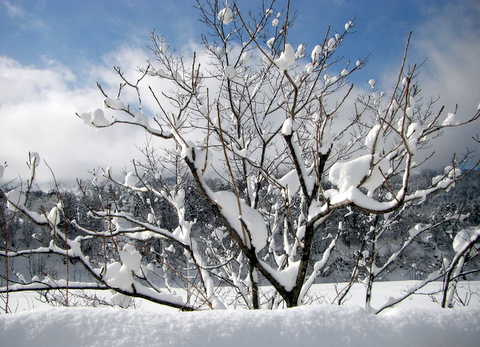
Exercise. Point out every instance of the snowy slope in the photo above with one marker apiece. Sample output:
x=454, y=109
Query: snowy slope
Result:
x=307, y=326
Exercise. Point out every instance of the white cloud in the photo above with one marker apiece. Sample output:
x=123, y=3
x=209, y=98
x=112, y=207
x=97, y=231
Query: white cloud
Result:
x=38, y=106
x=13, y=11
x=450, y=73
x=37, y=113
x=449, y=40
x=24, y=20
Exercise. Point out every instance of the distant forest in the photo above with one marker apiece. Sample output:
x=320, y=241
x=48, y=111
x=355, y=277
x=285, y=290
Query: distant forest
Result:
x=459, y=207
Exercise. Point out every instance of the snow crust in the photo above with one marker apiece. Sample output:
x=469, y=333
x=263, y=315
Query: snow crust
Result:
x=415, y=322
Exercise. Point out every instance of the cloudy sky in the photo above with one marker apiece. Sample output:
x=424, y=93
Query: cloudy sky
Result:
x=52, y=53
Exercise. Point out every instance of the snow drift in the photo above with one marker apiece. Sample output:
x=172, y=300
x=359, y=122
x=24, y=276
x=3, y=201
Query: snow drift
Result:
x=308, y=326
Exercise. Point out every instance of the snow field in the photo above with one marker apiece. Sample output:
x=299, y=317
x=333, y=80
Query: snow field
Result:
x=307, y=325
x=417, y=321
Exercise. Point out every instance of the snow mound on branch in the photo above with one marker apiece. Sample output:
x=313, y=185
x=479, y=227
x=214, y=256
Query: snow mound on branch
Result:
x=414, y=132
x=290, y=182
x=348, y=25
x=230, y=72
x=316, y=52
x=331, y=43
x=464, y=237
x=287, y=58
x=270, y=42
x=305, y=326
x=34, y=159
x=121, y=300
x=114, y=104
x=131, y=180
x=451, y=120
x=351, y=173
x=245, y=57
x=119, y=276
x=347, y=174
x=289, y=126
x=54, y=216
x=251, y=217
x=15, y=198
x=225, y=15
x=131, y=258
x=372, y=141
x=95, y=118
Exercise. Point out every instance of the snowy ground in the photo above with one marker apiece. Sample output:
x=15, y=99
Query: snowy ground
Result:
x=419, y=321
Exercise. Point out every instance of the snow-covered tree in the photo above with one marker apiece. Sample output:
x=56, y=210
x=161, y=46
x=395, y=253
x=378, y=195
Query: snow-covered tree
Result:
x=272, y=123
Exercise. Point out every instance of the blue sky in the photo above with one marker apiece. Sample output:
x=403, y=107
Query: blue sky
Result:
x=52, y=52
x=75, y=32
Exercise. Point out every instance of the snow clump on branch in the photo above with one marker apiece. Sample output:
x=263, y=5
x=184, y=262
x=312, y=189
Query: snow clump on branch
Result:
x=54, y=214
x=95, y=118
x=348, y=25
x=250, y=217
x=225, y=15
x=289, y=127
x=131, y=180
x=287, y=58
x=464, y=237
x=15, y=198
x=114, y=104
x=34, y=159
x=450, y=120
